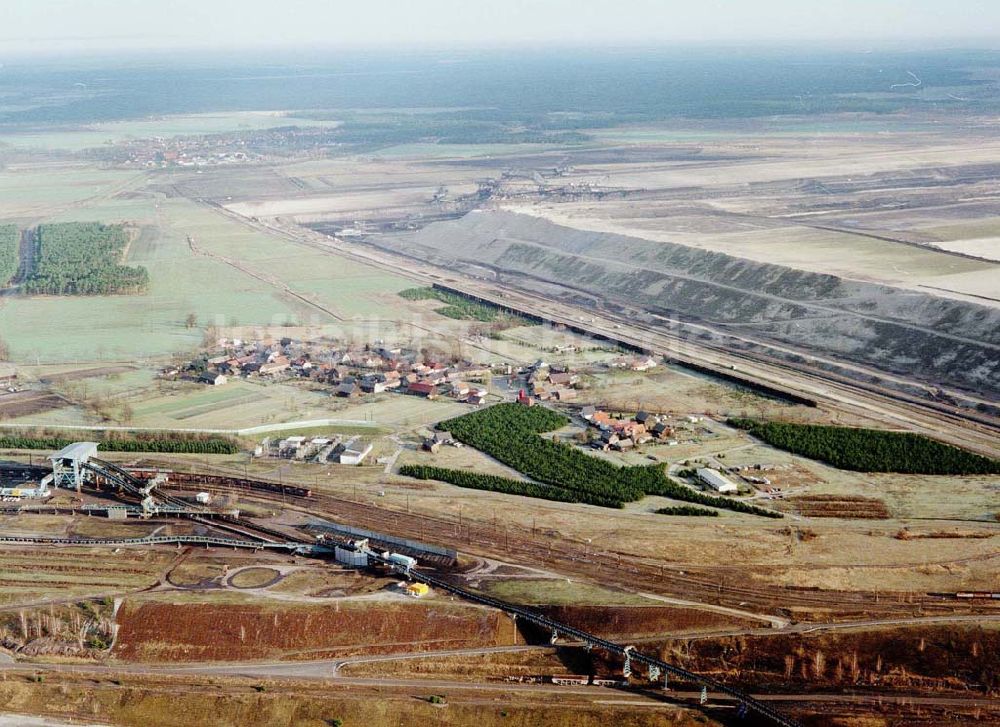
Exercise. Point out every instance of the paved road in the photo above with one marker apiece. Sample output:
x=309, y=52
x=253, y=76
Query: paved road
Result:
x=301, y=671
x=23, y=720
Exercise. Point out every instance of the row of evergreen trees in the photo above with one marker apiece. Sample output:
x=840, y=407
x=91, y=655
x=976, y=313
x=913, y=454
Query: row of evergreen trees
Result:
x=139, y=443
x=689, y=510
x=506, y=485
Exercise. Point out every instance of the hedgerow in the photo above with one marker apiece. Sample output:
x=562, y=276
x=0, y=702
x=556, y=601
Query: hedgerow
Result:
x=494, y=483
x=870, y=450
x=687, y=510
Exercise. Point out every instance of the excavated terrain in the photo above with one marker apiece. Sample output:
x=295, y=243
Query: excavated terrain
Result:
x=937, y=340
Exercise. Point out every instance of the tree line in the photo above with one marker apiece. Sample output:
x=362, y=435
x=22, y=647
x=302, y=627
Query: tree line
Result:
x=158, y=444
x=84, y=258
x=869, y=450
x=688, y=510
x=506, y=485
x=10, y=239
x=465, y=309
x=511, y=433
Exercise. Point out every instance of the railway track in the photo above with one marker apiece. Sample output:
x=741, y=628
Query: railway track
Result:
x=963, y=428
x=629, y=653
x=960, y=427
x=206, y=540
x=720, y=586
x=572, y=557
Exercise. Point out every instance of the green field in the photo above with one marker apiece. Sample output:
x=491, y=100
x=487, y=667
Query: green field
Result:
x=237, y=405
x=112, y=328
x=38, y=192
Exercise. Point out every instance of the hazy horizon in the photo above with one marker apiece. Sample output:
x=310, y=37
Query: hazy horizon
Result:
x=115, y=26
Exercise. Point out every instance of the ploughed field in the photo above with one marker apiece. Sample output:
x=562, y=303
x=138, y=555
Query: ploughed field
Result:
x=193, y=632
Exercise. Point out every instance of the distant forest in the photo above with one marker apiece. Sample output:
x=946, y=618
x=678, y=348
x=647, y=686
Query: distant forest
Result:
x=510, y=96
x=83, y=258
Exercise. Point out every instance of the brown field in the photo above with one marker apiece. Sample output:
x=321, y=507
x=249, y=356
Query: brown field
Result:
x=618, y=622
x=540, y=660
x=153, y=630
x=840, y=506
x=27, y=403
x=169, y=701
x=90, y=373
x=952, y=657
x=30, y=575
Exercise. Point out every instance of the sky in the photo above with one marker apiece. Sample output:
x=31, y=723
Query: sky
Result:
x=56, y=27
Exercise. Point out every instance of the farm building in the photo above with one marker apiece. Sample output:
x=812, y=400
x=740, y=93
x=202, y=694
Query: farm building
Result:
x=349, y=389
x=212, y=378
x=423, y=388
x=716, y=480
x=355, y=454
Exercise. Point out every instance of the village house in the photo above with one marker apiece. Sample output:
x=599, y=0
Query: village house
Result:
x=601, y=419
x=348, y=389
x=212, y=378
x=644, y=363
x=661, y=430
x=373, y=385
x=564, y=379
x=275, y=365
x=423, y=388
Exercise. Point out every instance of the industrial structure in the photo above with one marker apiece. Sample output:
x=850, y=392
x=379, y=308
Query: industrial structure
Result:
x=77, y=465
x=68, y=464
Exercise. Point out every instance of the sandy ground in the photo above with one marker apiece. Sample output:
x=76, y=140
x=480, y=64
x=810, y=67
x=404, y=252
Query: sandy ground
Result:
x=820, y=251
x=23, y=720
x=988, y=247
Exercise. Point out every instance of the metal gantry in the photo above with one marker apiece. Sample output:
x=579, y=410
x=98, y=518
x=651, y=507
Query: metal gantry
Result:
x=629, y=653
